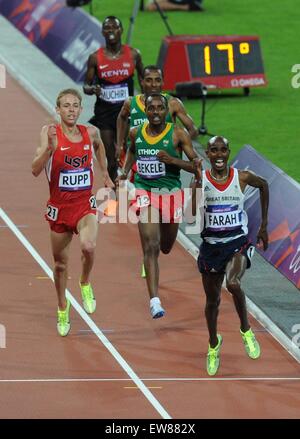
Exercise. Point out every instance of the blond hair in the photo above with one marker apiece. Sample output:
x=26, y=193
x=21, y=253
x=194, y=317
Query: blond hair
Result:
x=68, y=91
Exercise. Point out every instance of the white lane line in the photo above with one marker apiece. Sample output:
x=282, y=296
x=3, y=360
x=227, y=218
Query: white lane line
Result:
x=21, y=226
x=124, y=365
x=86, y=380
x=89, y=331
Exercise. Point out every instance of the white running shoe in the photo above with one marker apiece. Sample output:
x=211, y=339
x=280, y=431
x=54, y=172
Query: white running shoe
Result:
x=156, y=310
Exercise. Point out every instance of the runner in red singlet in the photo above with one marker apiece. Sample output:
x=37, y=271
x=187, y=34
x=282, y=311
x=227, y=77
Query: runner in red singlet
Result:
x=109, y=76
x=66, y=154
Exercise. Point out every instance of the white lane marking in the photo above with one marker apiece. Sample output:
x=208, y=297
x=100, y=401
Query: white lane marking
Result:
x=86, y=380
x=88, y=331
x=124, y=365
x=23, y=226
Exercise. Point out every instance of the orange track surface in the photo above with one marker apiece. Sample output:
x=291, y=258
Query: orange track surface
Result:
x=172, y=347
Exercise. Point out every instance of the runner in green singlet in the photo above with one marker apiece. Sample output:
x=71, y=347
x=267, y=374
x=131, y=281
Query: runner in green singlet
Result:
x=157, y=147
x=134, y=108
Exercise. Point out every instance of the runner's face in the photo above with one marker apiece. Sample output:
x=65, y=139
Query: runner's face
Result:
x=156, y=111
x=152, y=82
x=218, y=155
x=112, y=31
x=69, y=109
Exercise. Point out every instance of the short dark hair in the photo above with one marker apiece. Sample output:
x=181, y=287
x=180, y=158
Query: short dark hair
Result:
x=157, y=95
x=152, y=67
x=215, y=139
x=112, y=17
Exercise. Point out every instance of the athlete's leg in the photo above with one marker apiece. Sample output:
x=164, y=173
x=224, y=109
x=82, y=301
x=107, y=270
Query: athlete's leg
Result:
x=168, y=234
x=171, y=211
x=212, y=283
x=60, y=243
x=109, y=139
x=234, y=271
x=87, y=228
x=150, y=237
x=143, y=240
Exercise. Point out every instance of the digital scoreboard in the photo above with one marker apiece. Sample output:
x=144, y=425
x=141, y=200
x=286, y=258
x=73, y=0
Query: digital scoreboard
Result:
x=216, y=61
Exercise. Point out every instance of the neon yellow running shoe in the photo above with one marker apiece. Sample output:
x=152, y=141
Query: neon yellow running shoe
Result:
x=251, y=344
x=143, y=272
x=213, y=360
x=88, y=299
x=63, y=320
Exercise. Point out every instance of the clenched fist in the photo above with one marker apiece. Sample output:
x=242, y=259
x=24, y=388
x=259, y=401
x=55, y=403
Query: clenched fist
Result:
x=52, y=137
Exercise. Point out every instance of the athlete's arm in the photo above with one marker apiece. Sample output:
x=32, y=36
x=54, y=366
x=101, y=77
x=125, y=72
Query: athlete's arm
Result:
x=177, y=110
x=48, y=142
x=138, y=64
x=183, y=142
x=251, y=179
x=89, y=88
x=196, y=187
x=99, y=151
x=130, y=157
x=164, y=157
x=122, y=126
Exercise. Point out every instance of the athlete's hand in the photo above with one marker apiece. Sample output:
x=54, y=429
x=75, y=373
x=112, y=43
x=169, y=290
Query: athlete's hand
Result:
x=119, y=150
x=121, y=178
x=52, y=136
x=96, y=90
x=197, y=165
x=107, y=181
x=164, y=157
x=262, y=238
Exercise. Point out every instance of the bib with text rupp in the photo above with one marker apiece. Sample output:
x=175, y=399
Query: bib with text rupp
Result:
x=75, y=179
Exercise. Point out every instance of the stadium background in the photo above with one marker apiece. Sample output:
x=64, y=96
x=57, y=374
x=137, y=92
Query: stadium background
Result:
x=268, y=118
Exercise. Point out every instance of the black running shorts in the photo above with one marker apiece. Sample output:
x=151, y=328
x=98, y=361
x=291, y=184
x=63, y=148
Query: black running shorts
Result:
x=213, y=258
x=106, y=115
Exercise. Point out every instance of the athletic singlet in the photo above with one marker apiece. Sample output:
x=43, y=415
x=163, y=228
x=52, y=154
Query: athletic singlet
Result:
x=151, y=173
x=70, y=168
x=137, y=111
x=115, y=76
x=224, y=216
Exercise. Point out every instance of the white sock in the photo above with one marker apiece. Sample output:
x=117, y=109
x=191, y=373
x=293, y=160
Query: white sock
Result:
x=154, y=301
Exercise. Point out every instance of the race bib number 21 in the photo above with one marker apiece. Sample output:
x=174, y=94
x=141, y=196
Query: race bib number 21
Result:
x=52, y=212
x=93, y=202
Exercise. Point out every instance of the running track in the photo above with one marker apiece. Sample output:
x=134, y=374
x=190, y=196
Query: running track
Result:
x=144, y=368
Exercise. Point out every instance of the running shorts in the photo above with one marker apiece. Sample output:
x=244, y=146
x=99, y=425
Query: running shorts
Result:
x=65, y=217
x=213, y=258
x=106, y=115
x=170, y=205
